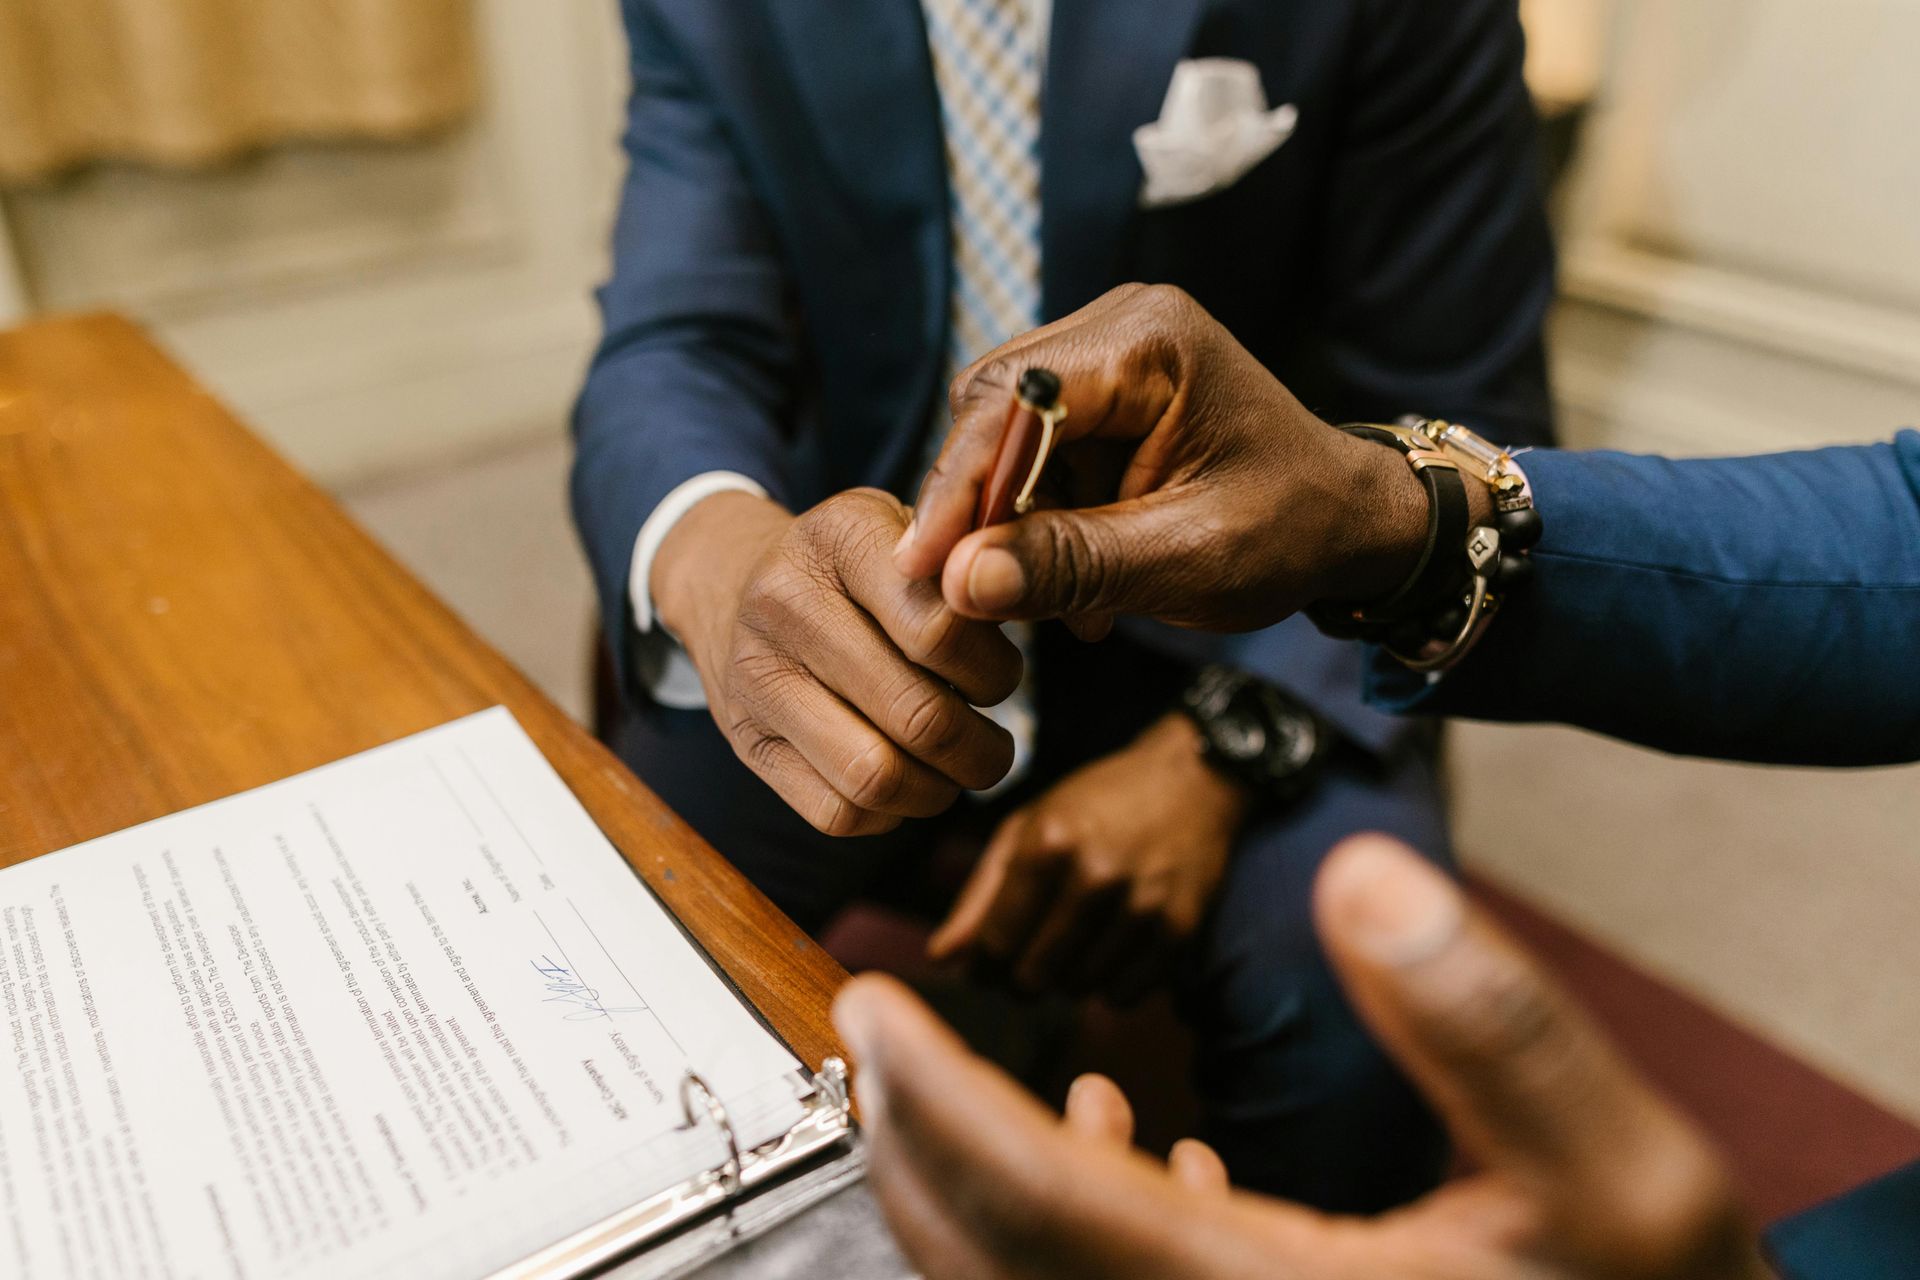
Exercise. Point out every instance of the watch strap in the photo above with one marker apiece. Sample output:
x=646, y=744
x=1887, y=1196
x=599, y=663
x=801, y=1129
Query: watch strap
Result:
x=1439, y=572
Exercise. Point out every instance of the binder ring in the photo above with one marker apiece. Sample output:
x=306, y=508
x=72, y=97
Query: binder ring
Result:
x=730, y=1172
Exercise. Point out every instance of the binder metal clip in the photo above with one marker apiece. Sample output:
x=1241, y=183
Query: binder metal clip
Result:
x=824, y=1132
x=728, y=1173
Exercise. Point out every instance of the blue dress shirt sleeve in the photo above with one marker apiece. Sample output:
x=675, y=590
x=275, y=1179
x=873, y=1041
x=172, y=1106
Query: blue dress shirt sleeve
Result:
x=1761, y=608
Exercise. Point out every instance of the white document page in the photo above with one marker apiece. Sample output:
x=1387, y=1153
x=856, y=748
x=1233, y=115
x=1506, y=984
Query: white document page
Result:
x=409, y=1014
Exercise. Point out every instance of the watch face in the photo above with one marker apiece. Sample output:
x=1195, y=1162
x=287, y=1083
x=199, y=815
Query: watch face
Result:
x=1239, y=736
x=1296, y=738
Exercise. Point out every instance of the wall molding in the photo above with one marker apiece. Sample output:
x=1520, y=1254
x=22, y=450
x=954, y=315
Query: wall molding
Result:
x=1626, y=380
x=1797, y=321
x=13, y=282
x=370, y=402
x=1659, y=354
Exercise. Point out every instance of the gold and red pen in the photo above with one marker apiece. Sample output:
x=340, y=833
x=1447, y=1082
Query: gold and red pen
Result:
x=1025, y=446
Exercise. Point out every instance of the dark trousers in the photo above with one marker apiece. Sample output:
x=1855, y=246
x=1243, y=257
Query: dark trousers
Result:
x=1295, y=1095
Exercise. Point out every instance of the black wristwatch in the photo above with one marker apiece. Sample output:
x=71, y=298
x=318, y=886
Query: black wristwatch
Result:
x=1258, y=735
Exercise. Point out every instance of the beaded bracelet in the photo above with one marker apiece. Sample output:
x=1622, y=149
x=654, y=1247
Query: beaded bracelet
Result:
x=1436, y=616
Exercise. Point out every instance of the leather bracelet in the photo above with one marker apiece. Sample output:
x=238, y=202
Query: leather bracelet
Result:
x=1437, y=615
x=1437, y=575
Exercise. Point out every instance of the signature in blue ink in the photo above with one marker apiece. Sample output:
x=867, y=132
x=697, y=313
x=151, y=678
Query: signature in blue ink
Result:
x=565, y=988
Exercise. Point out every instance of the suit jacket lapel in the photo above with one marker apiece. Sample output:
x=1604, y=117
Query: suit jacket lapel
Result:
x=865, y=82
x=869, y=119
x=1108, y=66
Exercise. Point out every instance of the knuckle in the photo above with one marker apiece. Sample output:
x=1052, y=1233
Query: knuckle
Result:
x=1080, y=568
x=1170, y=323
x=1056, y=833
x=785, y=590
x=1032, y=855
x=927, y=718
x=933, y=637
x=759, y=750
x=1098, y=872
x=1504, y=1013
x=1166, y=302
x=876, y=777
x=989, y=377
x=815, y=538
x=833, y=814
x=869, y=524
x=762, y=675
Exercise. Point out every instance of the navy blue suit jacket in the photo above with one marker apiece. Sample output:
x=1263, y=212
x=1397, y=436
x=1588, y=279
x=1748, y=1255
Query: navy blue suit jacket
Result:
x=778, y=305
x=1744, y=608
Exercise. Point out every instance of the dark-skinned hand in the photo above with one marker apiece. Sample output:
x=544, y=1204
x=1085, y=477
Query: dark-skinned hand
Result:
x=1585, y=1173
x=1093, y=887
x=1232, y=507
x=841, y=682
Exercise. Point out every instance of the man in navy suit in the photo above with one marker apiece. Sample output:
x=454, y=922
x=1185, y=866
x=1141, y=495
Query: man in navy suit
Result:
x=831, y=208
x=1763, y=608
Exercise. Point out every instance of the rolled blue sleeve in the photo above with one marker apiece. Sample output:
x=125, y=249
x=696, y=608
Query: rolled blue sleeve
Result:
x=1763, y=609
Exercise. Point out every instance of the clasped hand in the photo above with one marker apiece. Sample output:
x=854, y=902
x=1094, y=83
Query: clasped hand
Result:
x=842, y=683
x=851, y=689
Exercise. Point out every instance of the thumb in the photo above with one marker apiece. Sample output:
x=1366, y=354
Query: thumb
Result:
x=1127, y=557
x=949, y=1138
x=1524, y=1080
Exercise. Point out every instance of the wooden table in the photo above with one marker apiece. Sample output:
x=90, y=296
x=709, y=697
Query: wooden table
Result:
x=183, y=617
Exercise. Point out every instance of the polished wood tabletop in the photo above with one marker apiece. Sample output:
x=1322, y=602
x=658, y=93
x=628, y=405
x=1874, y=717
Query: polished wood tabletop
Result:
x=183, y=617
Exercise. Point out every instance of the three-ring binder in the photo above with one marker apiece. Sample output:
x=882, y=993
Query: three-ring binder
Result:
x=826, y=1126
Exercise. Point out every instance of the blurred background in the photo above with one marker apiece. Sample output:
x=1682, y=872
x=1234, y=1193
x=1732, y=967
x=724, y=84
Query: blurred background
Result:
x=373, y=226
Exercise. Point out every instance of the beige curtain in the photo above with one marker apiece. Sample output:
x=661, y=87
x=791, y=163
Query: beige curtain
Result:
x=192, y=82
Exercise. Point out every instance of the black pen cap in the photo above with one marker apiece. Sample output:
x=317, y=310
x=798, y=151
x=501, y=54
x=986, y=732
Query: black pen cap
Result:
x=1040, y=388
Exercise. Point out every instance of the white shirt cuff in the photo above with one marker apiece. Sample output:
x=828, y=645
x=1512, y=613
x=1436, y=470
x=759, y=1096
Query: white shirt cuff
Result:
x=661, y=665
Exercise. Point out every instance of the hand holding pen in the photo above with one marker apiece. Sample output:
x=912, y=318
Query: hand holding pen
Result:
x=1026, y=445
x=1233, y=507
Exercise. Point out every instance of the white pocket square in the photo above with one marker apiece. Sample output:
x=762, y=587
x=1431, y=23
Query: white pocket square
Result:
x=1213, y=129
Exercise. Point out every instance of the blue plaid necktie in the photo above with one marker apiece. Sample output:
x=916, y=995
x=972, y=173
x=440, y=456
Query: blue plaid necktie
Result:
x=986, y=61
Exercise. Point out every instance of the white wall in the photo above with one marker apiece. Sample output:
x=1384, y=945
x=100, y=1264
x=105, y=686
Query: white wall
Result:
x=1742, y=274
x=372, y=307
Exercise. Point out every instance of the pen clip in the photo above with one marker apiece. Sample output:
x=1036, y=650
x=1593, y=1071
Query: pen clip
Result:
x=1049, y=419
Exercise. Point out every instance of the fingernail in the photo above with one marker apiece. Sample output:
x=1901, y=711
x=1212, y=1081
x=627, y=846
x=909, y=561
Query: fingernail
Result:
x=995, y=581
x=853, y=1020
x=906, y=535
x=1395, y=908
